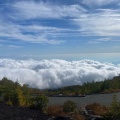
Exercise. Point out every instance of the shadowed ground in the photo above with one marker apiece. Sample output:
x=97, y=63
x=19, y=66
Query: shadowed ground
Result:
x=19, y=113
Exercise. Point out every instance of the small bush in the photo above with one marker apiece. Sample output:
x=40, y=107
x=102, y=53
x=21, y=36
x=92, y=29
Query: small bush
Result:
x=69, y=106
x=114, y=110
x=55, y=110
x=97, y=108
x=39, y=102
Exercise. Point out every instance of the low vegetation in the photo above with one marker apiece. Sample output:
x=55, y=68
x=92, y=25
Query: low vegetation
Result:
x=113, y=112
x=97, y=109
x=55, y=110
x=106, y=86
x=62, y=110
x=12, y=93
x=69, y=106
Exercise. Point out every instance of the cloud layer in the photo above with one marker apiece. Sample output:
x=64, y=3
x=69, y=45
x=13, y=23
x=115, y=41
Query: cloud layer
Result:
x=56, y=73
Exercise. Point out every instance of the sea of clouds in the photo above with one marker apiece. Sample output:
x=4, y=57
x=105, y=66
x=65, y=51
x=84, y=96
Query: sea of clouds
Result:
x=56, y=73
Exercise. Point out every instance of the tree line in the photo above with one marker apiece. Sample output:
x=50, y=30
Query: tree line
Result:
x=106, y=86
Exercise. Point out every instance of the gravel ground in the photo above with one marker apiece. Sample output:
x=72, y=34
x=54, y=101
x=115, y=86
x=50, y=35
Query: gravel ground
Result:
x=19, y=113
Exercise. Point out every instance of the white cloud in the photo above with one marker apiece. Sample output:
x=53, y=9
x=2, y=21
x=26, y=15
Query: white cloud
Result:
x=14, y=46
x=104, y=22
x=39, y=33
x=56, y=73
x=99, y=2
x=104, y=39
x=33, y=10
x=93, y=42
x=100, y=22
x=36, y=33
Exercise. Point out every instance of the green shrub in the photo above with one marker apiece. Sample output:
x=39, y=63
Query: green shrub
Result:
x=114, y=110
x=39, y=102
x=69, y=106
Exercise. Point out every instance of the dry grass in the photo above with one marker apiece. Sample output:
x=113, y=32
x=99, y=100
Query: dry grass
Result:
x=55, y=110
x=78, y=117
x=97, y=108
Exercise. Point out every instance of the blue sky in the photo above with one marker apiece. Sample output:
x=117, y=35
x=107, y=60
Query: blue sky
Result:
x=60, y=29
